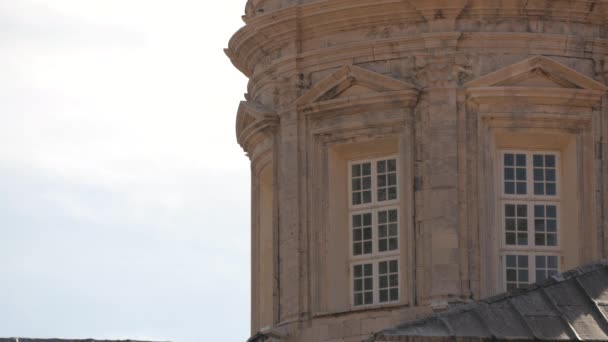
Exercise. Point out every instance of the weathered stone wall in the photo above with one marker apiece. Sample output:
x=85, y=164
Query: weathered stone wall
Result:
x=444, y=84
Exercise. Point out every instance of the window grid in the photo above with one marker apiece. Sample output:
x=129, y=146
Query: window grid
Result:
x=545, y=225
x=515, y=173
x=546, y=266
x=545, y=174
x=362, y=234
x=388, y=230
x=386, y=179
x=517, y=271
x=361, y=183
x=374, y=227
x=388, y=281
x=530, y=222
x=516, y=224
x=363, y=284
x=373, y=182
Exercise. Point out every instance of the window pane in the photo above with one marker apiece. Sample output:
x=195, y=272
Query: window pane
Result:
x=383, y=267
x=362, y=233
x=550, y=175
x=382, y=217
x=392, y=179
x=382, y=245
x=358, y=299
x=545, y=182
x=367, y=169
x=509, y=188
x=509, y=159
x=511, y=261
x=522, y=188
x=522, y=210
x=383, y=296
x=523, y=276
x=516, y=224
x=394, y=280
x=361, y=183
x=546, y=266
x=382, y=231
x=362, y=284
x=522, y=261
x=520, y=160
x=540, y=262
x=382, y=181
x=358, y=285
x=358, y=271
x=381, y=166
x=367, y=219
x=367, y=197
x=516, y=271
x=389, y=280
x=552, y=261
x=386, y=180
x=387, y=230
x=393, y=244
x=393, y=266
x=544, y=226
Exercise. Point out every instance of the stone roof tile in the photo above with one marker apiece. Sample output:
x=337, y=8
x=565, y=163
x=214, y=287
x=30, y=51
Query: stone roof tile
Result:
x=569, y=306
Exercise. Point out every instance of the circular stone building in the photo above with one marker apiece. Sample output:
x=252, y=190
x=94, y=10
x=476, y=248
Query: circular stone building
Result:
x=410, y=155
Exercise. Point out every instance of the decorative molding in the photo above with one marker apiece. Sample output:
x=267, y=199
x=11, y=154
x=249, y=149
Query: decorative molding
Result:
x=287, y=22
x=439, y=9
x=254, y=123
x=537, y=80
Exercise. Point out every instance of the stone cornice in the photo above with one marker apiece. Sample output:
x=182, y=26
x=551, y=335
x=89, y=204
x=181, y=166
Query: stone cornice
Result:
x=254, y=123
x=392, y=48
x=568, y=10
x=265, y=34
x=531, y=95
x=363, y=103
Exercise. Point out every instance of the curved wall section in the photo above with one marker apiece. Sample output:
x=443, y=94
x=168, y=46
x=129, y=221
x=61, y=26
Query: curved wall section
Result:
x=382, y=135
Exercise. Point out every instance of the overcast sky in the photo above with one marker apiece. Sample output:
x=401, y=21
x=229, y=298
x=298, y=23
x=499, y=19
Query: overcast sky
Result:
x=124, y=198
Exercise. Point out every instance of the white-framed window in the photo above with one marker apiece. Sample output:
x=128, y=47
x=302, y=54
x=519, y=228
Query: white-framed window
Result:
x=530, y=207
x=373, y=182
x=374, y=225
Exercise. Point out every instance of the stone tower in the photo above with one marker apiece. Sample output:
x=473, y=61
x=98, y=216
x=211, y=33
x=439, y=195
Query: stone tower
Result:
x=407, y=155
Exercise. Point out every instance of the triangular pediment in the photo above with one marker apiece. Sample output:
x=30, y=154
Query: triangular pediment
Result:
x=537, y=72
x=350, y=82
